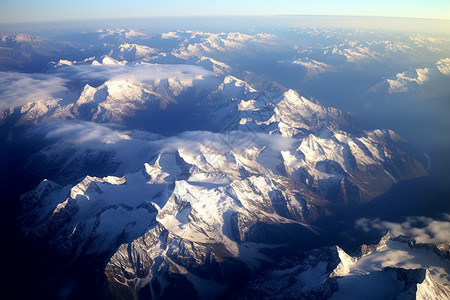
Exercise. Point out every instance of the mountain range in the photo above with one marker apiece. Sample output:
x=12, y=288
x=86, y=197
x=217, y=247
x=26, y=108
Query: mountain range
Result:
x=175, y=174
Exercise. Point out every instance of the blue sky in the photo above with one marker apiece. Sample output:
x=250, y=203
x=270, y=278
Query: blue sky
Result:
x=18, y=11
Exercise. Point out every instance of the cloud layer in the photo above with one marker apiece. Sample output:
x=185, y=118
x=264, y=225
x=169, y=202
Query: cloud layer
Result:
x=78, y=133
x=422, y=229
x=133, y=148
x=17, y=89
x=138, y=72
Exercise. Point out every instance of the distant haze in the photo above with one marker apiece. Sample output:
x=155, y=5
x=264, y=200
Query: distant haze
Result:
x=51, y=10
x=235, y=23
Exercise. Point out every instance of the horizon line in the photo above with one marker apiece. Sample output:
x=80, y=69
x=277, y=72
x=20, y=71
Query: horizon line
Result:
x=216, y=16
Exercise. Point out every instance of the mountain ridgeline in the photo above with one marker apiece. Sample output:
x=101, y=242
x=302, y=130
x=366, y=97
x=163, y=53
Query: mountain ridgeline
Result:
x=173, y=174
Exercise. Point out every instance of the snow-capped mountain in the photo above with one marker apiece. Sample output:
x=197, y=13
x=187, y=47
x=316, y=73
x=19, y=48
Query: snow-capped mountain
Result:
x=133, y=52
x=203, y=203
x=365, y=47
x=426, y=81
x=178, y=173
x=396, y=267
x=126, y=90
x=25, y=51
x=205, y=43
x=313, y=68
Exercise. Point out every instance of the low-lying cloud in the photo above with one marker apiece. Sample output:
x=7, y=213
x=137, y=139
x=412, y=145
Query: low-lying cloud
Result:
x=17, y=89
x=132, y=149
x=84, y=132
x=80, y=132
x=136, y=72
x=422, y=229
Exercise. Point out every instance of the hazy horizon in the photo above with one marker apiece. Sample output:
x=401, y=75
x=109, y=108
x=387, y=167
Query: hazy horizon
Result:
x=50, y=10
x=238, y=23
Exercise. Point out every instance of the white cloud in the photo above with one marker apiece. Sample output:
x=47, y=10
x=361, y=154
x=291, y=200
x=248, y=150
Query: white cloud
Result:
x=422, y=229
x=132, y=149
x=82, y=132
x=138, y=72
x=75, y=132
x=17, y=89
x=225, y=142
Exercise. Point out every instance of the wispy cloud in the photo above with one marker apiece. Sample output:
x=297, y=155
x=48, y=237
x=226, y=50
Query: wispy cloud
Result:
x=75, y=132
x=17, y=89
x=423, y=229
x=139, y=72
x=132, y=149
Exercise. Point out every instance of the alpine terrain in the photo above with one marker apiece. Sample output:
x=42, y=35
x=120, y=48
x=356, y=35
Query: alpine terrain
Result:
x=164, y=166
